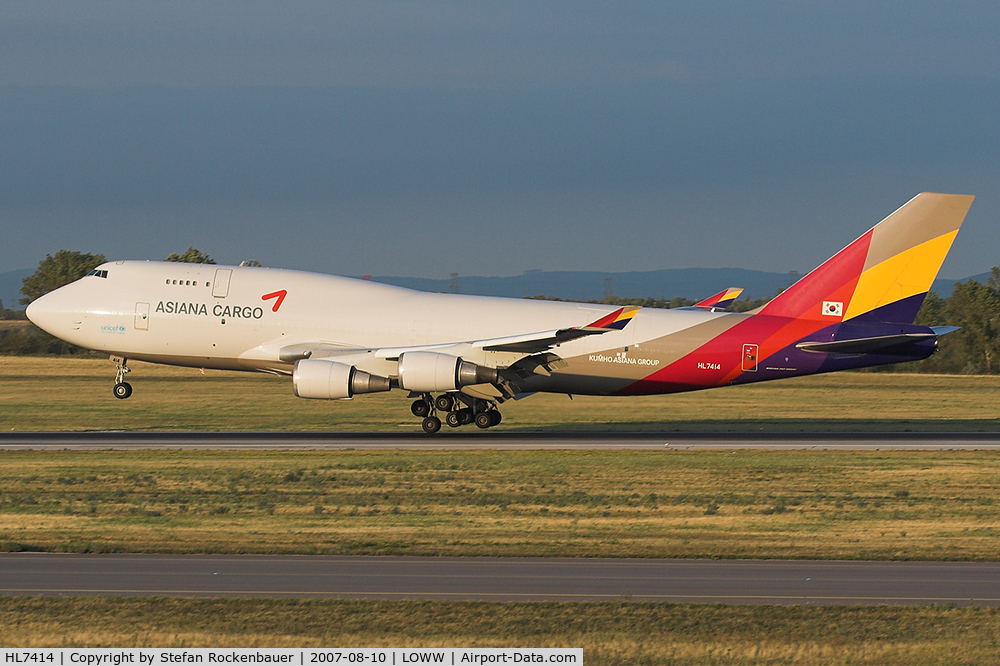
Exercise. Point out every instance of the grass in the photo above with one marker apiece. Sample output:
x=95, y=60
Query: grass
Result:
x=874, y=505
x=609, y=633
x=75, y=394
x=663, y=503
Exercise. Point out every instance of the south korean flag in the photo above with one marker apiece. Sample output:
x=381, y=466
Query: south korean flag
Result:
x=833, y=308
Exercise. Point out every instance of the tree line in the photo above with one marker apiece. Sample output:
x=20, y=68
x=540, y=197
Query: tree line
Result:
x=974, y=349
x=974, y=306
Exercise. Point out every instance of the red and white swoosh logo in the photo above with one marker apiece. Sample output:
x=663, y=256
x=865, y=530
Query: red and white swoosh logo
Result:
x=278, y=295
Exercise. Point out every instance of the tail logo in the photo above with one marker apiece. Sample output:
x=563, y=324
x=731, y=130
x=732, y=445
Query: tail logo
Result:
x=833, y=308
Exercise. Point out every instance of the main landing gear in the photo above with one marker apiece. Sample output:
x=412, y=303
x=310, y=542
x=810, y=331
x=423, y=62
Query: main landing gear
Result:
x=122, y=389
x=458, y=408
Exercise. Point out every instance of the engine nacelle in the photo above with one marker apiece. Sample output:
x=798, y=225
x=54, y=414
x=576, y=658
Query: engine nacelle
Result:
x=323, y=379
x=425, y=372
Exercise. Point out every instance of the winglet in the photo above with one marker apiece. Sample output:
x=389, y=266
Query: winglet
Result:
x=616, y=320
x=721, y=300
x=538, y=342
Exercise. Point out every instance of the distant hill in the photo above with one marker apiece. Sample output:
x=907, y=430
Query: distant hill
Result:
x=10, y=287
x=943, y=287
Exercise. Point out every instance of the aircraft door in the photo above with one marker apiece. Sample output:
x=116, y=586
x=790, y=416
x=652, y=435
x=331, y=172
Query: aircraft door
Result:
x=749, y=358
x=220, y=288
x=142, y=316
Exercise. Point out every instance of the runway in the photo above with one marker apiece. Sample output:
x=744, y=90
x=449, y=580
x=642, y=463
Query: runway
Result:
x=504, y=579
x=500, y=440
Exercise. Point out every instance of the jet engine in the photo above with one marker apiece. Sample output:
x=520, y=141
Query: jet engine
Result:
x=426, y=372
x=324, y=379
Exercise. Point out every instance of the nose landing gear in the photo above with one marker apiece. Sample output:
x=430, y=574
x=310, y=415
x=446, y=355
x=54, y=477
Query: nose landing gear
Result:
x=122, y=389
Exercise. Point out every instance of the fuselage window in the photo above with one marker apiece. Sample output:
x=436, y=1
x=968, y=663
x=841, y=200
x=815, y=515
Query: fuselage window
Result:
x=175, y=281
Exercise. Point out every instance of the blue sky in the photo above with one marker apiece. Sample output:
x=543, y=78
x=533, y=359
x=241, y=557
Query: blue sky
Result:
x=423, y=138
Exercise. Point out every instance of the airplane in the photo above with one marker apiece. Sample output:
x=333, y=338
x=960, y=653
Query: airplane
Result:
x=459, y=357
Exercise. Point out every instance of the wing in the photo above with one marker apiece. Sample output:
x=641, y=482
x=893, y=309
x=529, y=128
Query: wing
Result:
x=528, y=343
x=530, y=350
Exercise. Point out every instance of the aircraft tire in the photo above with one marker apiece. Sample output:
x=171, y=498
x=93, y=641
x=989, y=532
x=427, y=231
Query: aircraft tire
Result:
x=122, y=390
x=484, y=420
x=444, y=402
x=420, y=408
x=431, y=424
x=495, y=416
x=466, y=416
x=453, y=419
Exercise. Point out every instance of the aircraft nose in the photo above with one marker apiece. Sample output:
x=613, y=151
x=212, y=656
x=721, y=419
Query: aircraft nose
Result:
x=44, y=311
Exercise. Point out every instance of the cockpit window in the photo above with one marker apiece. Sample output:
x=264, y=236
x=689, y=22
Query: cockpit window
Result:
x=97, y=273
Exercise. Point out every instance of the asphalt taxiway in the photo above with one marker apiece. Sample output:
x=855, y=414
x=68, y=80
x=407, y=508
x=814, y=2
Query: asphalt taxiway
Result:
x=504, y=579
x=502, y=440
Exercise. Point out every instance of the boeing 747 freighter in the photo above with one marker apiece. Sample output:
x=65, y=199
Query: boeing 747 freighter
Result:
x=459, y=357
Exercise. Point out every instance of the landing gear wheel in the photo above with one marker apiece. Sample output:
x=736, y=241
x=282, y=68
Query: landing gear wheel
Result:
x=465, y=416
x=495, y=416
x=453, y=419
x=420, y=408
x=444, y=402
x=431, y=424
x=484, y=420
x=122, y=388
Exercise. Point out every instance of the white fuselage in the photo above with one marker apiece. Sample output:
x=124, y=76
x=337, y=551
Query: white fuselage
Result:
x=243, y=318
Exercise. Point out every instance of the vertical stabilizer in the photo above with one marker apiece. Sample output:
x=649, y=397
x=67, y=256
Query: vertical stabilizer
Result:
x=884, y=275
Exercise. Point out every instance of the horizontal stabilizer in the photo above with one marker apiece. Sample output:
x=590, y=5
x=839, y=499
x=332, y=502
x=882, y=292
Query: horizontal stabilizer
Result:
x=864, y=345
